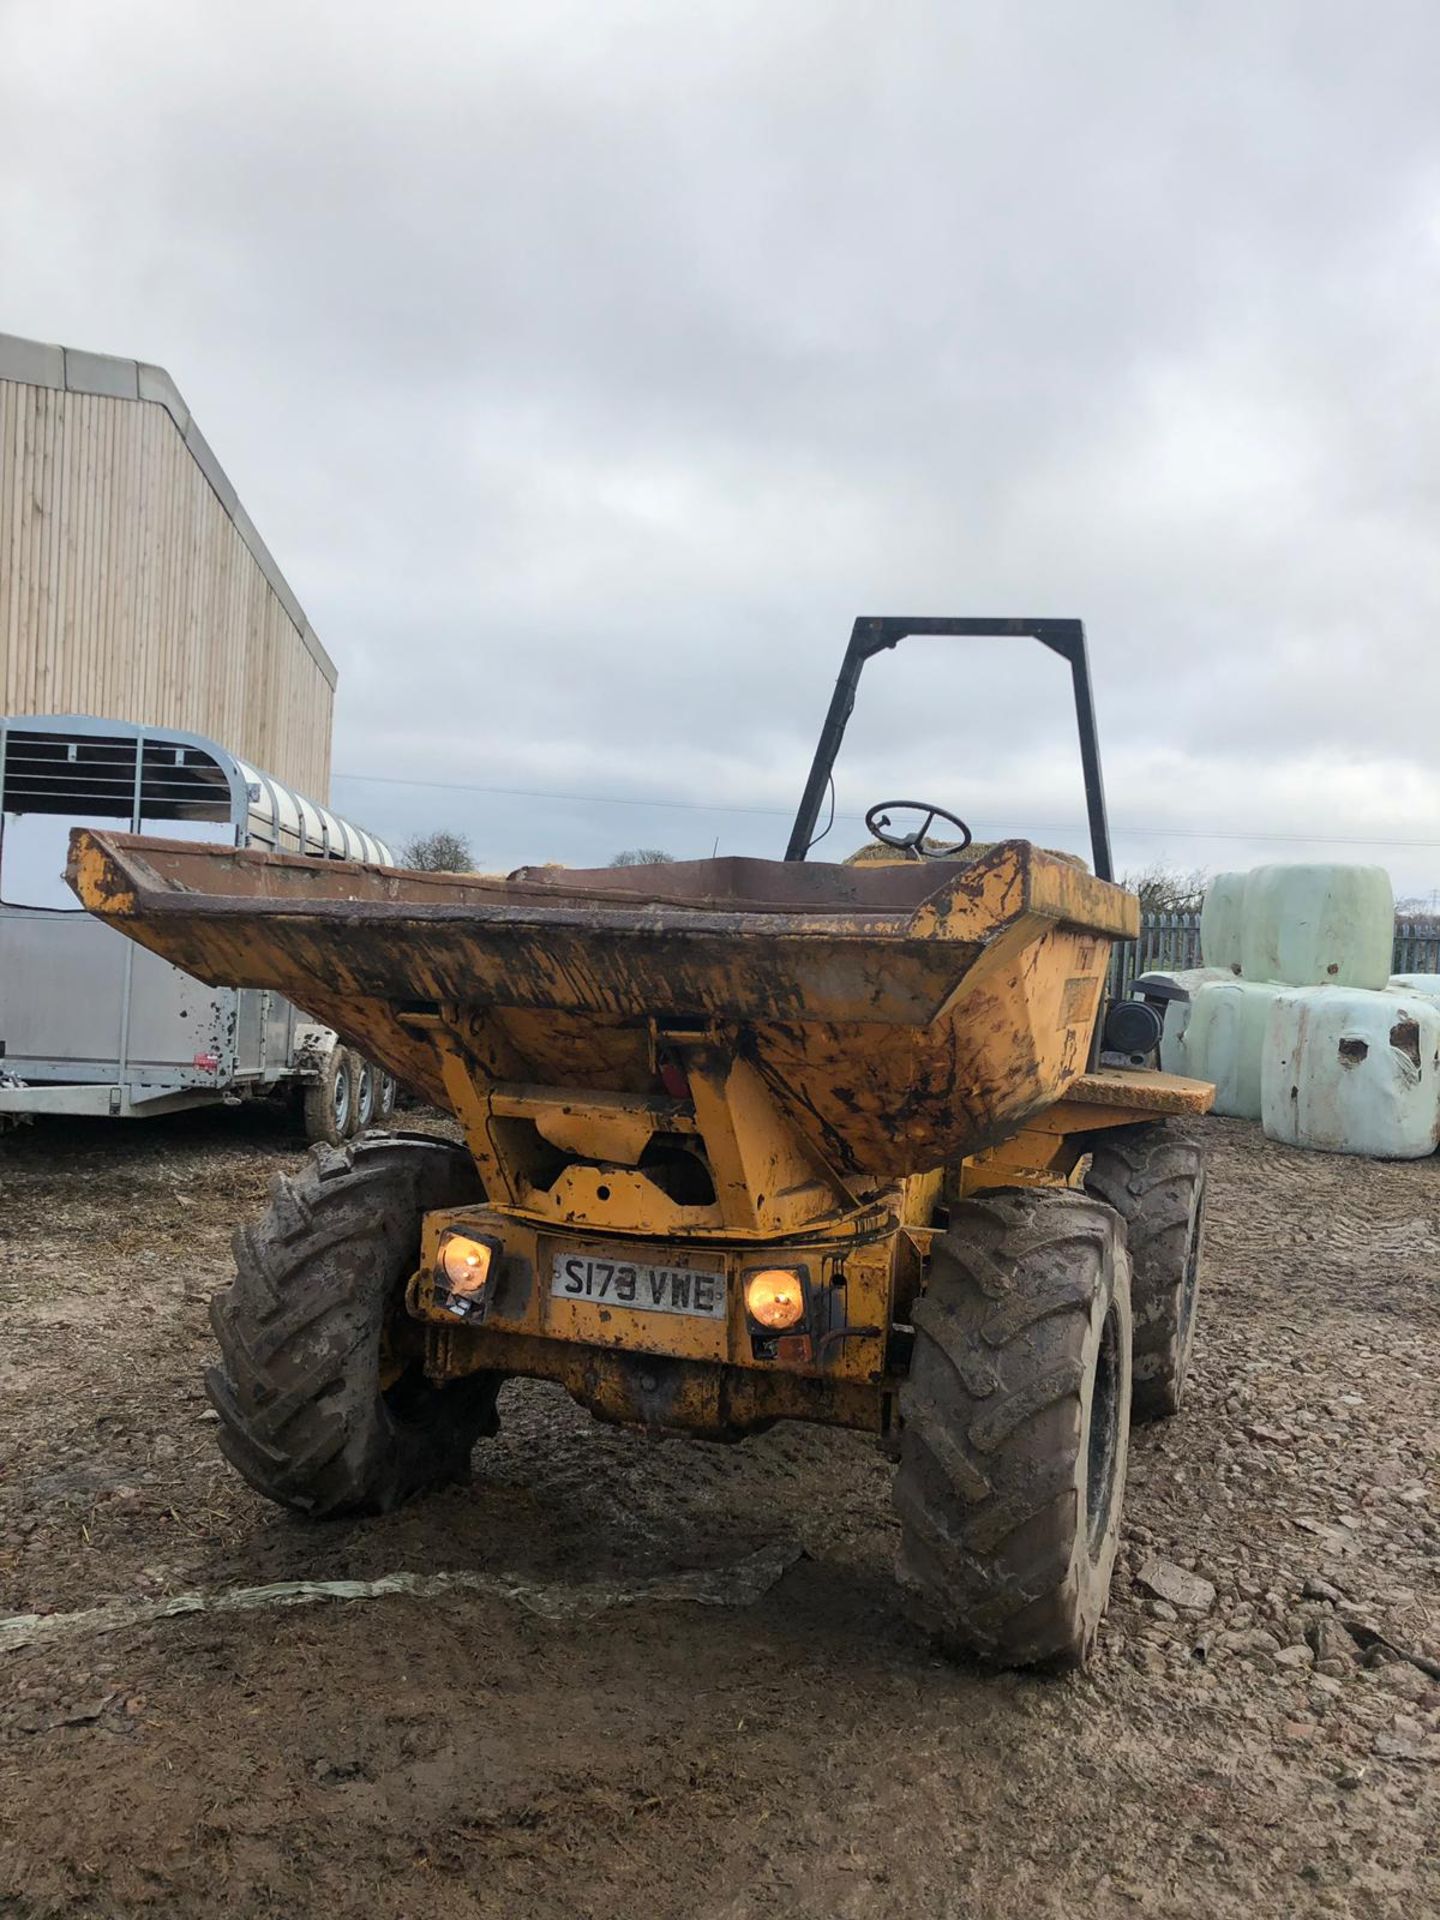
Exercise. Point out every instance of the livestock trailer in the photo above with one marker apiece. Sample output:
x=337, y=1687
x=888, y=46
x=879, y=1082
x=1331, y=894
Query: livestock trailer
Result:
x=92, y=1024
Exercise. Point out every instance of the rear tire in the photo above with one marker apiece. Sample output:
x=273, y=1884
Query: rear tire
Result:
x=309, y=1412
x=363, y=1094
x=1016, y=1418
x=1155, y=1181
x=330, y=1101
x=385, y=1091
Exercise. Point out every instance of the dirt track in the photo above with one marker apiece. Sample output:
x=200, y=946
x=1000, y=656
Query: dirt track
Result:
x=804, y=1755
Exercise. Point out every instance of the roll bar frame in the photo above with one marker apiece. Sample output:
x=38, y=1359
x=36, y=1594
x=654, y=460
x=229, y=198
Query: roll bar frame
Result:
x=874, y=634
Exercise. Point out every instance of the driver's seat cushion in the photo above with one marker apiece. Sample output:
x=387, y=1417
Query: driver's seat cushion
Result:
x=876, y=854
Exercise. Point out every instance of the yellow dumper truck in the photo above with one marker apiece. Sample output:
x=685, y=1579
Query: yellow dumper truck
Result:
x=745, y=1141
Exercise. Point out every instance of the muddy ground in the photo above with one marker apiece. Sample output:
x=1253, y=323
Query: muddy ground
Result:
x=464, y=1754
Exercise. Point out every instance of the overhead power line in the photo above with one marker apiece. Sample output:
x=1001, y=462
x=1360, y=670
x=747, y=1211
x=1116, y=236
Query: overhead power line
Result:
x=582, y=799
x=787, y=813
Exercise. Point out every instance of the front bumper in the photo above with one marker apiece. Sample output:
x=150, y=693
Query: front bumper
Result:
x=674, y=1371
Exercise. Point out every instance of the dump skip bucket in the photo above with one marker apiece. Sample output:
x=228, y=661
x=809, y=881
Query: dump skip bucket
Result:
x=904, y=1015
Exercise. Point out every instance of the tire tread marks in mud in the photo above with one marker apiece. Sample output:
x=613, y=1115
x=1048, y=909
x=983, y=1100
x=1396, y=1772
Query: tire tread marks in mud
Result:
x=997, y=1557
x=302, y=1414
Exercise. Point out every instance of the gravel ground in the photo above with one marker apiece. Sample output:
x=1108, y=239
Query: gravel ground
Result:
x=1248, y=1742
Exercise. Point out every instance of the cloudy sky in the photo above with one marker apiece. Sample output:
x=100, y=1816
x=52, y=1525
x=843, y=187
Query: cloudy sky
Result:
x=589, y=366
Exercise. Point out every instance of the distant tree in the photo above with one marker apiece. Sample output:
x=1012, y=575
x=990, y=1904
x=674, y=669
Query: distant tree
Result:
x=1162, y=891
x=643, y=857
x=438, y=852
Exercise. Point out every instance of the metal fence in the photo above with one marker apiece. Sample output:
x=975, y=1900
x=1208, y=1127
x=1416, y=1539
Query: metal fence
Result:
x=1417, y=946
x=1170, y=942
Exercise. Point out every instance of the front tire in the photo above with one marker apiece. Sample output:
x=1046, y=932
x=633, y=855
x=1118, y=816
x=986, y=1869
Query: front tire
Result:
x=1155, y=1181
x=1015, y=1433
x=318, y=1409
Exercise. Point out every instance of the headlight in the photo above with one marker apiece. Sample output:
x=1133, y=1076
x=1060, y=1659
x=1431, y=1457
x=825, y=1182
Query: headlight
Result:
x=464, y=1264
x=775, y=1298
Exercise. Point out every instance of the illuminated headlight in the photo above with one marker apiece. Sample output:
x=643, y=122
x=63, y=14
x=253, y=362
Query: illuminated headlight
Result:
x=462, y=1269
x=775, y=1298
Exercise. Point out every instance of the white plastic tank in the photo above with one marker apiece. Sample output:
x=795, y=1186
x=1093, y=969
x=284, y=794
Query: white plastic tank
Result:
x=1350, y=1071
x=1176, y=1017
x=1426, y=983
x=1318, y=926
x=1221, y=916
x=1224, y=1041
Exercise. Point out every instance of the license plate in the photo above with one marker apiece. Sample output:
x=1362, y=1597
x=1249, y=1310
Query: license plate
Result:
x=698, y=1291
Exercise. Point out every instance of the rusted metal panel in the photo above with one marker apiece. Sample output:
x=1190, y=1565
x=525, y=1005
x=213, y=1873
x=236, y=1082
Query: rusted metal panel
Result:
x=668, y=1395
x=900, y=1018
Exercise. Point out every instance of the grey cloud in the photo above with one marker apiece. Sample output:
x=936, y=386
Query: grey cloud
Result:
x=589, y=367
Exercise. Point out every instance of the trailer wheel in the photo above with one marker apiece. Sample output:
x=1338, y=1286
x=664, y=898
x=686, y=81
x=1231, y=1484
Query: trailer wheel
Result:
x=330, y=1101
x=320, y=1409
x=1155, y=1180
x=385, y=1091
x=1015, y=1429
x=363, y=1092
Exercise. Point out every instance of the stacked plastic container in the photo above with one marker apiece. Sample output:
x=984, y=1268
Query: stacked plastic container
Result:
x=1297, y=1021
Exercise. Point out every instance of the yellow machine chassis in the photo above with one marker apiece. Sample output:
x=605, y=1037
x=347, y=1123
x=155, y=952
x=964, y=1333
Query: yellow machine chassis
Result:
x=863, y=1245
x=845, y=1050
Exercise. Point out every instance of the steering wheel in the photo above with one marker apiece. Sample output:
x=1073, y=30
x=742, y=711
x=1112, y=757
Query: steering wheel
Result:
x=878, y=819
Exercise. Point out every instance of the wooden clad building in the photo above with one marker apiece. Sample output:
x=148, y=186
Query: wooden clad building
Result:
x=133, y=585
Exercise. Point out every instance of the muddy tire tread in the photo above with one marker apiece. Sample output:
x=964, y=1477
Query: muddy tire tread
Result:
x=992, y=1419
x=302, y=1417
x=1148, y=1176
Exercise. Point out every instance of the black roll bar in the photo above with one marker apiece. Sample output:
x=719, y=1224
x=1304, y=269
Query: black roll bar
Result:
x=871, y=635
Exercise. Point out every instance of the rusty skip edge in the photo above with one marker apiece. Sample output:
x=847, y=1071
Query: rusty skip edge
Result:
x=124, y=876
x=889, y=970
x=366, y=966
